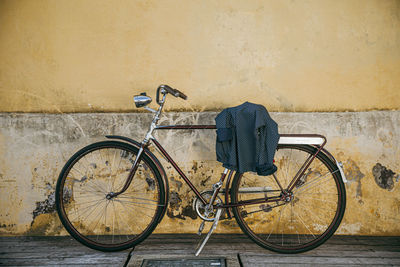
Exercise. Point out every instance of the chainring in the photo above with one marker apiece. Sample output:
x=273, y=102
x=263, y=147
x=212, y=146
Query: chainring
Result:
x=200, y=208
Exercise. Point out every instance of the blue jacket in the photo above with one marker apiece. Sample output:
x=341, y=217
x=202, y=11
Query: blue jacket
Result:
x=247, y=138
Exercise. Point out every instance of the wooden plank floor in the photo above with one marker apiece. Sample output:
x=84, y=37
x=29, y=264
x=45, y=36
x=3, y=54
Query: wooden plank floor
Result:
x=238, y=250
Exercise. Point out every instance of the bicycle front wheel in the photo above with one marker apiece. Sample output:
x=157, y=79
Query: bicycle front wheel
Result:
x=90, y=215
x=295, y=221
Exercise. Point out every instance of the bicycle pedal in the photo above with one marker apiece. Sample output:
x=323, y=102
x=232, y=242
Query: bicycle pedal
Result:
x=201, y=228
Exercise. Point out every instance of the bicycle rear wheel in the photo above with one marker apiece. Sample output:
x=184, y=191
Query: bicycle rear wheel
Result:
x=109, y=224
x=303, y=219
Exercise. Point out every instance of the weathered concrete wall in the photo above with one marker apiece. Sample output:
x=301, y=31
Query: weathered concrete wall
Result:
x=295, y=56
x=34, y=147
x=93, y=55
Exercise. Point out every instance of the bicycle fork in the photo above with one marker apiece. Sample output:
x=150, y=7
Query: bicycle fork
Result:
x=130, y=175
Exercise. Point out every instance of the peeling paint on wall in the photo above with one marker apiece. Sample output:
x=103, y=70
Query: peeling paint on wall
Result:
x=46, y=206
x=174, y=200
x=351, y=229
x=176, y=210
x=177, y=184
x=384, y=177
x=353, y=174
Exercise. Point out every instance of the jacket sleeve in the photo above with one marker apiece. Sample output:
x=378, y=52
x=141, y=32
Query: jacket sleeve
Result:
x=224, y=137
x=267, y=141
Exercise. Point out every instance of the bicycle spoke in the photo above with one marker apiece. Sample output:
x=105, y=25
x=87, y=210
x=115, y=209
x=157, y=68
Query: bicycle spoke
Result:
x=141, y=203
x=90, y=191
x=301, y=220
x=132, y=231
x=140, y=198
x=314, y=183
x=287, y=166
x=113, y=218
x=100, y=215
x=319, y=193
x=138, y=204
x=113, y=181
x=110, y=164
x=95, y=185
x=88, y=201
x=131, y=208
x=280, y=215
x=319, y=199
x=313, y=213
x=86, y=209
x=105, y=216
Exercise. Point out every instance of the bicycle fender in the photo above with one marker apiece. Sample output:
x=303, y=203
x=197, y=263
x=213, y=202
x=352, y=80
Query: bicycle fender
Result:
x=156, y=162
x=339, y=164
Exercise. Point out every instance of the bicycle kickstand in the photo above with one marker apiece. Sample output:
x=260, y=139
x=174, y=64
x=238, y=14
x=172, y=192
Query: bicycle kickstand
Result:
x=205, y=239
x=129, y=257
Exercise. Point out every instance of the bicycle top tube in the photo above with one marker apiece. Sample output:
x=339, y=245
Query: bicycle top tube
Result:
x=185, y=127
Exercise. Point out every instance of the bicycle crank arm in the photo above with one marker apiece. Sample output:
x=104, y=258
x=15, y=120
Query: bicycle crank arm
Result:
x=214, y=225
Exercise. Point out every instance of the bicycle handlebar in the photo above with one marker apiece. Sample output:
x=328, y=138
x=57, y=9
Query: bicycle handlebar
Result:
x=170, y=90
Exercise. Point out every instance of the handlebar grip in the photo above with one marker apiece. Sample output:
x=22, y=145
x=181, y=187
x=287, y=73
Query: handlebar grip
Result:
x=182, y=95
x=170, y=90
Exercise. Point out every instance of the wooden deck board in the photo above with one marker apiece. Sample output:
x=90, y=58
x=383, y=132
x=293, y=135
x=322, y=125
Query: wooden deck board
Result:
x=65, y=251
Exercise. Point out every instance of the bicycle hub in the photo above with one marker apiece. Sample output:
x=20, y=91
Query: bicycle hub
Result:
x=110, y=195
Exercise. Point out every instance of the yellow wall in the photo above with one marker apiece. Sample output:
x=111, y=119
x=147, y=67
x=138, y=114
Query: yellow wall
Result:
x=94, y=55
x=78, y=56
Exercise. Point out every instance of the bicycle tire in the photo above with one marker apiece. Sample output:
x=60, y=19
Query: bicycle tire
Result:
x=312, y=217
x=109, y=224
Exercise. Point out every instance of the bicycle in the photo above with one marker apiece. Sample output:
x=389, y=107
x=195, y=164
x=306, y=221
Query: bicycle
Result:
x=111, y=195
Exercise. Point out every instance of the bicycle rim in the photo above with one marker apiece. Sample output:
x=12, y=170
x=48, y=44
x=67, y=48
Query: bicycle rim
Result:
x=307, y=218
x=109, y=224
